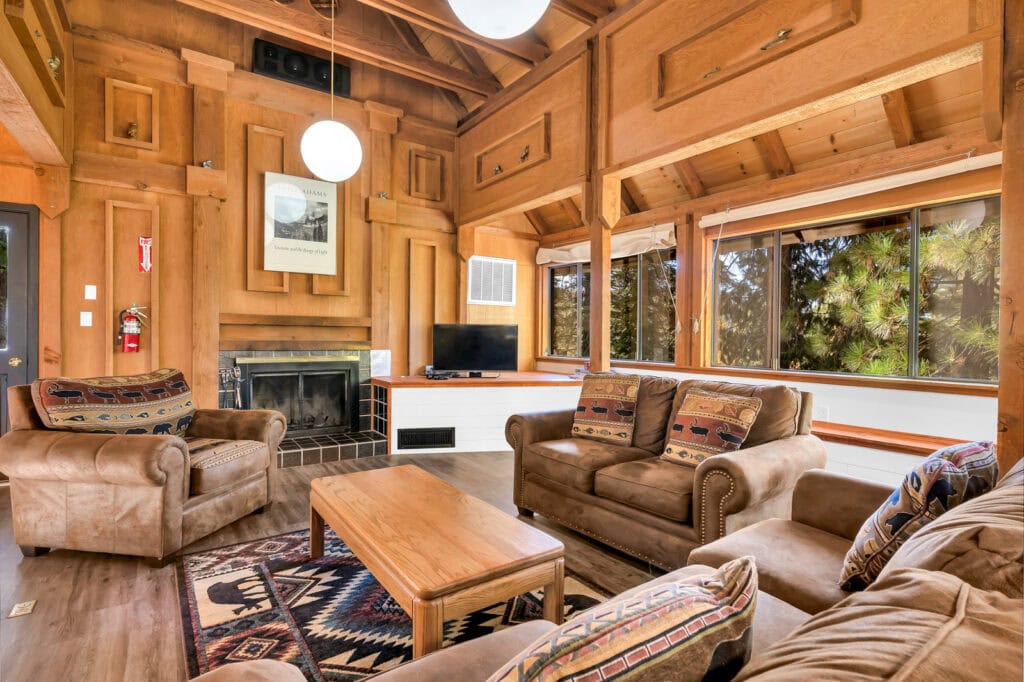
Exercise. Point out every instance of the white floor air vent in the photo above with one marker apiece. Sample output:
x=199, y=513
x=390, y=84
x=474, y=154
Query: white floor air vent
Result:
x=492, y=281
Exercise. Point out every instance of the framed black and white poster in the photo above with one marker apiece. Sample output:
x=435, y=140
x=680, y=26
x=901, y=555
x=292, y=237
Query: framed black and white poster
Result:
x=300, y=225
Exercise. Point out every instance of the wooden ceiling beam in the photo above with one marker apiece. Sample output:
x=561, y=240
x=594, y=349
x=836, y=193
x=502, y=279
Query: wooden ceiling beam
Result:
x=692, y=183
x=309, y=28
x=475, y=62
x=775, y=155
x=629, y=205
x=992, y=87
x=537, y=222
x=437, y=16
x=412, y=41
x=898, y=114
x=584, y=11
x=568, y=206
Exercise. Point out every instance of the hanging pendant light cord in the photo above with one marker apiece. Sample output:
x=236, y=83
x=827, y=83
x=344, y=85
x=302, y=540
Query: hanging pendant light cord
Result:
x=333, y=2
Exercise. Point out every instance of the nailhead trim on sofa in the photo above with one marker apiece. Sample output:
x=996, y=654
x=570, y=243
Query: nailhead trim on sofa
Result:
x=721, y=506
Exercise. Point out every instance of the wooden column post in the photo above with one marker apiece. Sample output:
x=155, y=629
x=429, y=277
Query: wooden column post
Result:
x=607, y=202
x=685, y=244
x=466, y=244
x=383, y=123
x=1011, y=327
x=206, y=180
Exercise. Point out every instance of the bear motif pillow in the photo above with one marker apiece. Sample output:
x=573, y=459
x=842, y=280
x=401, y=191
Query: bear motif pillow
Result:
x=707, y=424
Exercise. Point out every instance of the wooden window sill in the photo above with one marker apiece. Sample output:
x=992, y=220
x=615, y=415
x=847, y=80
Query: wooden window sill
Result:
x=880, y=439
x=783, y=376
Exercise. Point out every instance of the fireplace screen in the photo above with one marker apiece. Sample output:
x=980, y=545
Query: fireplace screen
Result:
x=315, y=401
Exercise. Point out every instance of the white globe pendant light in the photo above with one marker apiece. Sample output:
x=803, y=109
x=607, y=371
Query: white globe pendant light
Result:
x=330, y=150
x=502, y=19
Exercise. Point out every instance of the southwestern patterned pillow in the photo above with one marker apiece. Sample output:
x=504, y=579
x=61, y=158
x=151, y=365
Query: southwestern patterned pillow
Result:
x=709, y=423
x=159, y=403
x=696, y=628
x=607, y=408
x=945, y=479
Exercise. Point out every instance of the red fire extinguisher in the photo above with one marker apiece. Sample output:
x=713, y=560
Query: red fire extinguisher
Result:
x=130, y=329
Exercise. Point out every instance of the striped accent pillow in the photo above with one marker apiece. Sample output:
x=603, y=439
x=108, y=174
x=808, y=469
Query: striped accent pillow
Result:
x=709, y=423
x=693, y=628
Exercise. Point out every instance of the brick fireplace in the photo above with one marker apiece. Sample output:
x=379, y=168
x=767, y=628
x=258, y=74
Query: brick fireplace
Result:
x=325, y=395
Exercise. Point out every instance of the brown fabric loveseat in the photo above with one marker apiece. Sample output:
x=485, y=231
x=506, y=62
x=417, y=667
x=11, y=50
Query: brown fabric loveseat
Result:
x=658, y=511
x=140, y=495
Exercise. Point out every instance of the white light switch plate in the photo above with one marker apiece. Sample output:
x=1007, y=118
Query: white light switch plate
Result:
x=85, y=318
x=90, y=292
x=22, y=609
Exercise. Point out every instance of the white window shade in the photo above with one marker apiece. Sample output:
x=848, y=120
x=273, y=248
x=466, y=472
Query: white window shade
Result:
x=623, y=244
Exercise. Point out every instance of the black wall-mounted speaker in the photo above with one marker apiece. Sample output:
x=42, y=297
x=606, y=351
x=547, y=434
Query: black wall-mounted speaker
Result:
x=286, y=64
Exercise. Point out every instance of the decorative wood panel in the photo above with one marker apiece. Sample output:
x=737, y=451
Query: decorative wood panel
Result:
x=423, y=313
x=426, y=175
x=125, y=285
x=132, y=115
x=39, y=32
x=341, y=283
x=523, y=149
x=759, y=33
x=265, y=149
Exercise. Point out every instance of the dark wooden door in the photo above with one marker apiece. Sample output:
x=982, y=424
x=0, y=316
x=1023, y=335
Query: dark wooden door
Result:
x=19, y=229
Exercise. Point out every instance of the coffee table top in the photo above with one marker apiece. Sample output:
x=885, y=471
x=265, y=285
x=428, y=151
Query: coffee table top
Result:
x=429, y=536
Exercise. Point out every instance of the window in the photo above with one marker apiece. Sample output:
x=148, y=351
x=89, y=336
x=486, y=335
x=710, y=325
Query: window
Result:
x=911, y=294
x=642, y=308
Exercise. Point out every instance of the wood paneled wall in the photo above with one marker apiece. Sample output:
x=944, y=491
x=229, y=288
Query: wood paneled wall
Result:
x=155, y=97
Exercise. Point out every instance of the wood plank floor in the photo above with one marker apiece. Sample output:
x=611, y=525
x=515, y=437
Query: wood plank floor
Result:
x=105, y=617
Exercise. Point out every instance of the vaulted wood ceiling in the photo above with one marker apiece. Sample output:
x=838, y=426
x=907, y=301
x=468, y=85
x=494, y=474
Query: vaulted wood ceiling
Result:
x=427, y=41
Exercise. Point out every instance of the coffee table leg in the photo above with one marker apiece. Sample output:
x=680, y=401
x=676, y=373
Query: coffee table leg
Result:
x=427, y=626
x=554, y=595
x=316, y=533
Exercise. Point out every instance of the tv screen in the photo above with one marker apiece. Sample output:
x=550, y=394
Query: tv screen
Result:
x=476, y=347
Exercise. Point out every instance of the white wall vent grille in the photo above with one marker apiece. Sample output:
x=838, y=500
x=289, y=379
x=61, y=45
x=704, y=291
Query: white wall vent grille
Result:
x=492, y=281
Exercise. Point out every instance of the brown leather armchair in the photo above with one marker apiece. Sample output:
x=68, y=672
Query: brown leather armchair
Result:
x=139, y=495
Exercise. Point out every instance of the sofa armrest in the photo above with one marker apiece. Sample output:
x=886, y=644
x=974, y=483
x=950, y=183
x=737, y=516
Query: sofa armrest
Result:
x=836, y=503
x=94, y=458
x=534, y=427
x=731, y=482
x=266, y=426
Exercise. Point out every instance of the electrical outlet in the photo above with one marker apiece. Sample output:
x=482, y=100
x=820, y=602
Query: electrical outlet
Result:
x=90, y=292
x=22, y=609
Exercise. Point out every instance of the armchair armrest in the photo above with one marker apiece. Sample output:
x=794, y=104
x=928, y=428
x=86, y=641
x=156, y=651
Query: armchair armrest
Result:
x=836, y=503
x=534, y=427
x=267, y=426
x=74, y=457
x=731, y=482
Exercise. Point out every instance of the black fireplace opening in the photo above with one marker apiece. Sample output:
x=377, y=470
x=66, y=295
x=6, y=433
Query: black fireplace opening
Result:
x=317, y=398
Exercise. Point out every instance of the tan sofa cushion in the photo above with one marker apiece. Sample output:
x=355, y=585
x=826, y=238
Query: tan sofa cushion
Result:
x=980, y=541
x=653, y=409
x=653, y=485
x=575, y=461
x=909, y=625
x=215, y=463
x=779, y=415
x=796, y=563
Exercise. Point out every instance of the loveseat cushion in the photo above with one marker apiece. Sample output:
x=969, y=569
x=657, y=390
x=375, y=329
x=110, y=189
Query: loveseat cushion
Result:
x=778, y=418
x=909, y=625
x=575, y=461
x=215, y=463
x=795, y=563
x=158, y=403
x=653, y=406
x=945, y=479
x=981, y=541
x=654, y=485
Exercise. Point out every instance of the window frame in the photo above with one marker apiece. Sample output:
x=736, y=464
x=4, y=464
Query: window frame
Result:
x=775, y=300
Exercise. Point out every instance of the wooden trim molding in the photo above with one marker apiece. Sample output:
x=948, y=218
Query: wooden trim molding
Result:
x=880, y=439
x=253, y=320
x=892, y=383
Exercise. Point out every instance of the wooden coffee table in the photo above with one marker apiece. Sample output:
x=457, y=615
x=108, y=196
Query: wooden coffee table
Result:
x=439, y=552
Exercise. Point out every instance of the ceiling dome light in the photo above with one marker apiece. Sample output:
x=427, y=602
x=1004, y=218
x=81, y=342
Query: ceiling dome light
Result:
x=331, y=151
x=506, y=19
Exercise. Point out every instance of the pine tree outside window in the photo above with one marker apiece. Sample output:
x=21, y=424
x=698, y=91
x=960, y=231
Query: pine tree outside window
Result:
x=910, y=294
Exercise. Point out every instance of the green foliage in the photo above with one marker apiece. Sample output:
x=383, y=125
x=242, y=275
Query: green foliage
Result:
x=744, y=280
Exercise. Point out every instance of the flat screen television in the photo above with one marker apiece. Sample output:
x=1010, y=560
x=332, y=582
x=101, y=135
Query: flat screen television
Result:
x=476, y=347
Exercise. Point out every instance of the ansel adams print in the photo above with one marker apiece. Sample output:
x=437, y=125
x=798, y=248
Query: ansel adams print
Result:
x=300, y=225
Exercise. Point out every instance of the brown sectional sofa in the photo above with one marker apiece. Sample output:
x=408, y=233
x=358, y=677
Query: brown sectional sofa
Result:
x=948, y=606
x=629, y=498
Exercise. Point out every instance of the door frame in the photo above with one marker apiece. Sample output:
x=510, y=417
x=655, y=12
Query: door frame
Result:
x=32, y=299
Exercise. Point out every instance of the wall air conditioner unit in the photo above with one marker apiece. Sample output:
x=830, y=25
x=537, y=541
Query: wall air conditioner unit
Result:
x=492, y=281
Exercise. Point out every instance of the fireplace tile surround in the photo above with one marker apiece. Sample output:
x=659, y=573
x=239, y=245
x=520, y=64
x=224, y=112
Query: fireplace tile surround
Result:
x=301, y=451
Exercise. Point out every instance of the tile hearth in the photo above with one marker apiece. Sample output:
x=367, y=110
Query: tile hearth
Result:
x=295, y=452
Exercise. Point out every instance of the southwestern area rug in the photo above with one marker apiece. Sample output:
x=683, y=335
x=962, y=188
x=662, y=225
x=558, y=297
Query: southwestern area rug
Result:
x=329, y=617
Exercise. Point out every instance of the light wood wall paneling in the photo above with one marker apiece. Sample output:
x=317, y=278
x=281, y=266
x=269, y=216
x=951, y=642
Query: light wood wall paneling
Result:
x=127, y=173
x=1011, y=342
x=125, y=285
x=341, y=283
x=423, y=282
x=265, y=152
x=383, y=123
